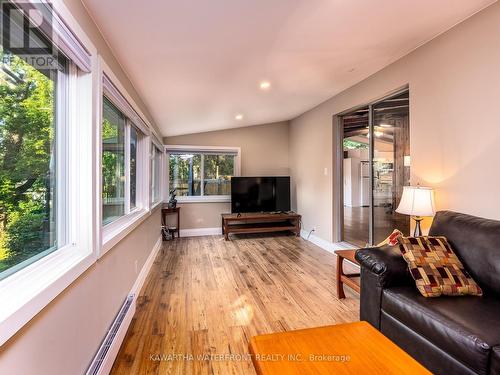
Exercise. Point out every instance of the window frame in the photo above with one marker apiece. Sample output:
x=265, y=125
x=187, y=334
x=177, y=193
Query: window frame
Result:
x=27, y=291
x=140, y=200
x=113, y=232
x=155, y=144
x=202, y=150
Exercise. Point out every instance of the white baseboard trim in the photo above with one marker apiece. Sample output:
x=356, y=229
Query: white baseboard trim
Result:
x=324, y=244
x=195, y=232
x=139, y=282
x=318, y=241
x=110, y=357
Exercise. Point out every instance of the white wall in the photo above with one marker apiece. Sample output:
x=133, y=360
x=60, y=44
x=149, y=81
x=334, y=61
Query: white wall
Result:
x=454, y=92
x=352, y=182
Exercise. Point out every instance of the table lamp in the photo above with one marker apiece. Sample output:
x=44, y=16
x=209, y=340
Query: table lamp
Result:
x=417, y=201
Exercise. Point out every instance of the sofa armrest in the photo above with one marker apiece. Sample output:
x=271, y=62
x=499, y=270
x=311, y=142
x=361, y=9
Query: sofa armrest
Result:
x=386, y=264
x=380, y=269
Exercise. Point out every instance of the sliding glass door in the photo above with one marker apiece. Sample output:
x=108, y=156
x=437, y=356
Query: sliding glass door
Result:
x=356, y=177
x=376, y=166
x=391, y=164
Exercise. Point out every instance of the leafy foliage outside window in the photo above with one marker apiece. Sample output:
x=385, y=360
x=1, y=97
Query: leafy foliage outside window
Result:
x=185, y=173
x=353, y=145
x=113, y=163
x=133, y=167
x=27, y=161
x=218, y=170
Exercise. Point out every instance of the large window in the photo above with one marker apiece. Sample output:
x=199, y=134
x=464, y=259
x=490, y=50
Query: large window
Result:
x=120, y=144
x=47, y=180
x=32, y=153
x=202, y=174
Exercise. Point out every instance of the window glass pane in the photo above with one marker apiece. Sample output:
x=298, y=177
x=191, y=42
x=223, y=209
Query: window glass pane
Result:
x=31, y=186
x=218, y=170
x=133, y=167
x=185, y=173
x=113, y=163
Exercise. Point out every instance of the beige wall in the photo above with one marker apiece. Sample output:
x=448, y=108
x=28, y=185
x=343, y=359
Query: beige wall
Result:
x=264, y=152
x=64, y=336
x=454, y=93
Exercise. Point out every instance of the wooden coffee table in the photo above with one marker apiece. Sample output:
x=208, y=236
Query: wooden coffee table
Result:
x=353, y=348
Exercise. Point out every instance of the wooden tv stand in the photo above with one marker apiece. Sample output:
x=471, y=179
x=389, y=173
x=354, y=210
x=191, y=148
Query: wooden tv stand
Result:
x=261, y=222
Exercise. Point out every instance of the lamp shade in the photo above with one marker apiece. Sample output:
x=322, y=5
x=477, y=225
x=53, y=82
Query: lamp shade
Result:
x=417, y=201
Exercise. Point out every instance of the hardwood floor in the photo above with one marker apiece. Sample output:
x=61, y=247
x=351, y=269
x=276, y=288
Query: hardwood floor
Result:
x=206, y=296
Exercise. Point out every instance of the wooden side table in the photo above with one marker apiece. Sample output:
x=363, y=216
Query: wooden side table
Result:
x=351, y=279
x=165, y=211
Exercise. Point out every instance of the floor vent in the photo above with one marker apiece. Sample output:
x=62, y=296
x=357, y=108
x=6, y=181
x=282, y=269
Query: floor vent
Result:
x=96, y=365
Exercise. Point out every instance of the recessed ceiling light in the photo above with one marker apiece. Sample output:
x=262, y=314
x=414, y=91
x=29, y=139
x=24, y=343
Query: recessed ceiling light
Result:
x=265, y=85
x=238, y=117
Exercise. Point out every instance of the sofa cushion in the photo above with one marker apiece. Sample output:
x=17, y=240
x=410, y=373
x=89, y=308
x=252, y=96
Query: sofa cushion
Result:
x=476, y=242
x=466, y=328
x=435, y=267
x=495, y=361
x=426, y=353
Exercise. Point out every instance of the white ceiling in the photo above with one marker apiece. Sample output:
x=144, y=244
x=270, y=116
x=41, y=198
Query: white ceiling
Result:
x=198, y=63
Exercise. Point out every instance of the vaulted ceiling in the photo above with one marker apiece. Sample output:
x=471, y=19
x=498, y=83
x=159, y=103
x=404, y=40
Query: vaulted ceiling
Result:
x=199, y=64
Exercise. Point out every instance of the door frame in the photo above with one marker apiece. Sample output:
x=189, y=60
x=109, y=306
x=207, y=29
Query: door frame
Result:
x=338, y=162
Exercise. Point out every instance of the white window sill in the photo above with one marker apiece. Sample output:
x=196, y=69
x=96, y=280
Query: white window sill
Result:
x=25, y=293
x=119, y=229
x=205, y=199
x=156, y=205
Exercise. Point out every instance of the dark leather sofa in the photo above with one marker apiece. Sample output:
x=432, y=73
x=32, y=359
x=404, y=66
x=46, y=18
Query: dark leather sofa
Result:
x=448, y=335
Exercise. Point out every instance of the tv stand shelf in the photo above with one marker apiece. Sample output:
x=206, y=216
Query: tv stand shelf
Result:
x=261, y=222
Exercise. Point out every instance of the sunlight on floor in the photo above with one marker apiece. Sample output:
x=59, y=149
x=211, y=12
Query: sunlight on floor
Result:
x=242, y=311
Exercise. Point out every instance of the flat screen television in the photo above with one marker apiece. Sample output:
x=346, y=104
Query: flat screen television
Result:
x=260, y=194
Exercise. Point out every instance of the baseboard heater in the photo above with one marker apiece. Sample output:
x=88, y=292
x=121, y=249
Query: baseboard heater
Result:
x=100, y=364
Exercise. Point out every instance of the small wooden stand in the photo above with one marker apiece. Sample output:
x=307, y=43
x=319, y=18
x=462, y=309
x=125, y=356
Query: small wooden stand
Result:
x=260, y=223
x=165, y=210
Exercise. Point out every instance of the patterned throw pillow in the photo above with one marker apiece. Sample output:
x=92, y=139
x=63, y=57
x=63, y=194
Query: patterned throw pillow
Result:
x=435, y=267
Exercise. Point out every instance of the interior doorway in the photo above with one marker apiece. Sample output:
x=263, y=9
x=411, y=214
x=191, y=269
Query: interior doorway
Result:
x=376, y=165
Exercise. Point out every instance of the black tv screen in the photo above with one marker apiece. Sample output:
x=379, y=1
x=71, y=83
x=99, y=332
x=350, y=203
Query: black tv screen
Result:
x=260, y=194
